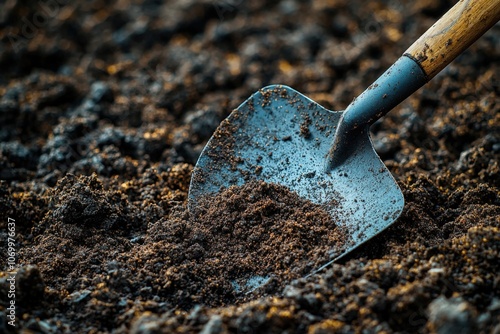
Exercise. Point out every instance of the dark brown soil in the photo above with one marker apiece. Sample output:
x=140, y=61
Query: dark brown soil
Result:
x=260, y=229
x=105, y=107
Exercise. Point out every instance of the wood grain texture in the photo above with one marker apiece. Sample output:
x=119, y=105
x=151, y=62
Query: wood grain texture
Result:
x=463, y=24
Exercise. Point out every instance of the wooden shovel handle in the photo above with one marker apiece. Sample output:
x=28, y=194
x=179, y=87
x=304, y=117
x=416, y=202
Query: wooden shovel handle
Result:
x=453, y=33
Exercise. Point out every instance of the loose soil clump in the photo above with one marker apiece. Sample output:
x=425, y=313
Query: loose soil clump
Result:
x=258, y=230
x=243, y=243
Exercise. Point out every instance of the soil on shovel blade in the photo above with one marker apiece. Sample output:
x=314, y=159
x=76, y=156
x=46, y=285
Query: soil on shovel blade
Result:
x=104, y=109
x=250, y=239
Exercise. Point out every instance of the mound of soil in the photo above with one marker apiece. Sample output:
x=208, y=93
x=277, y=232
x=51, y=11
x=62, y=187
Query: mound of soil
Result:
x=245, y=242
x=261, y=230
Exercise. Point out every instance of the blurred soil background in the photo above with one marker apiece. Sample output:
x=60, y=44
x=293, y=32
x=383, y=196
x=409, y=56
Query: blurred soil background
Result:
x=106, y=105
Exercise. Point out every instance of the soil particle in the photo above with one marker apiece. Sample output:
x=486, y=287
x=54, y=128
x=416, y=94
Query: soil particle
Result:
x=452, y=315
x=304, y=127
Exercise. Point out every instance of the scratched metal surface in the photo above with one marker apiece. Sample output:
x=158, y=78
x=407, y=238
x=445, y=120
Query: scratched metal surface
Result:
x=280, y=136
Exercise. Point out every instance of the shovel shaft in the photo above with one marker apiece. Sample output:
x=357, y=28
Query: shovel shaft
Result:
x=453, y=33
x=436, y=48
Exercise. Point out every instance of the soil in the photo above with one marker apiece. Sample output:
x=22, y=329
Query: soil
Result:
x=105, y=107
x=255, y=232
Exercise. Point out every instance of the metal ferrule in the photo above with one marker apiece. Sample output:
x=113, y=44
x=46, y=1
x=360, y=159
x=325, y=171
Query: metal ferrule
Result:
x=401, y=80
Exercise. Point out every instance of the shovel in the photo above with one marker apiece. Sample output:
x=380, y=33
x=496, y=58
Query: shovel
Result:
x=280, y=136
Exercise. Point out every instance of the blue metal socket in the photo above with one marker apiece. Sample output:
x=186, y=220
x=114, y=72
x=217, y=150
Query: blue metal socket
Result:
x=401, y=80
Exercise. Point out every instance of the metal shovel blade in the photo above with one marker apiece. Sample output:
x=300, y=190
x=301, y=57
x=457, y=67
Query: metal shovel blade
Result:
x=280, y=136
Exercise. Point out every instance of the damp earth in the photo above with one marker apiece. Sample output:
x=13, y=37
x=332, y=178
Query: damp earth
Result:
x=105, y=107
